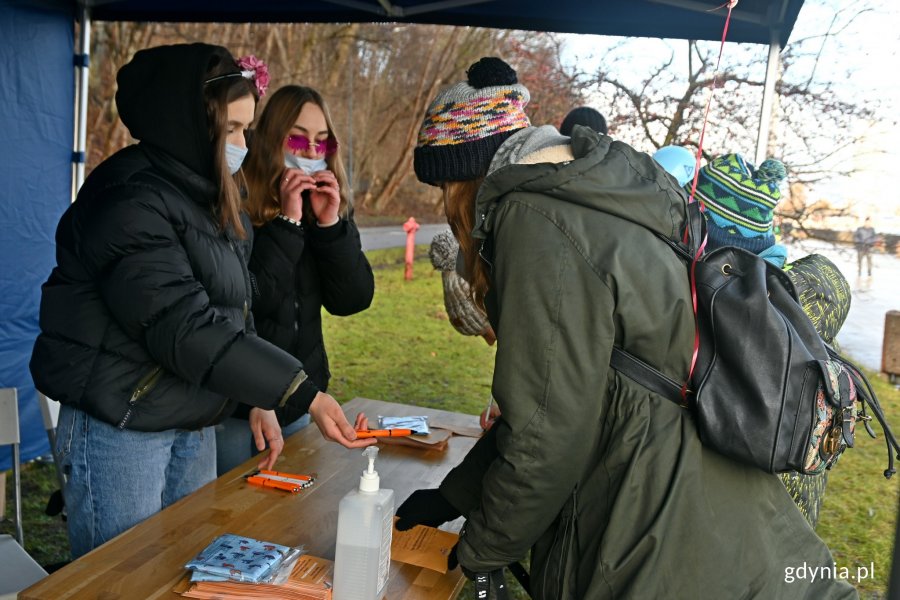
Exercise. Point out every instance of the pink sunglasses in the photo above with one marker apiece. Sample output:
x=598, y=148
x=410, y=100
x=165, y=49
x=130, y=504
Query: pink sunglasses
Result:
x=301, y=143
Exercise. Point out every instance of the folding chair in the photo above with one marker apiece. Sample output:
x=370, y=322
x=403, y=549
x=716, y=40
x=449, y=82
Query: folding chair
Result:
x=17, y=569
x=9, y=436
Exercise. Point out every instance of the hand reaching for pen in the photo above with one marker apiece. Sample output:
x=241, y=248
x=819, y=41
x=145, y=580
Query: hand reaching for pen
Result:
x=265, y=428
x=489, y=416
x=333, y=424
x=361, y=423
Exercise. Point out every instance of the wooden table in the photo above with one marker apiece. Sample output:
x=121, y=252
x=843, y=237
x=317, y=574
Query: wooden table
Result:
x=147, y=561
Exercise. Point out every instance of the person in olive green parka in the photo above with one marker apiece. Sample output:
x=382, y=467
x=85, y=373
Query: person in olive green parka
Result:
x=604, y=481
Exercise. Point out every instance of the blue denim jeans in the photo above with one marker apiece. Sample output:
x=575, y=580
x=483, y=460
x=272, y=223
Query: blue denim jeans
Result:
x=117, y=478
x=234, y=441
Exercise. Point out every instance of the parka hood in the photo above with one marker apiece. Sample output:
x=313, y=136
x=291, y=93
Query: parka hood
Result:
x=605, y=175
x=160, y=100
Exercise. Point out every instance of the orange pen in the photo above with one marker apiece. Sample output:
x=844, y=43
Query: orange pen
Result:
x=288, y=475
x=367, y=433
x=274, y=483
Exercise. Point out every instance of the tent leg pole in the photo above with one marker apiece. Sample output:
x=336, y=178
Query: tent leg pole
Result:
x=82, y=93
x=765, y=115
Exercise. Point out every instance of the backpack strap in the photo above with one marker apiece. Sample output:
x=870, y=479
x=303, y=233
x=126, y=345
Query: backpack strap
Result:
x=870, y=400
x=492, y=584
x=681, y=250
x=645, y=375
x=631, y=366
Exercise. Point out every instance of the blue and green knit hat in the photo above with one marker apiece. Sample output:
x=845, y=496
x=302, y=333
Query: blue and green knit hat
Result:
x=740, y=201
x=467, y=122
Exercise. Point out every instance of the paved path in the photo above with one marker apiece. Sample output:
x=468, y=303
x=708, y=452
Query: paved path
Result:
x=375, y=238
x=862, y=335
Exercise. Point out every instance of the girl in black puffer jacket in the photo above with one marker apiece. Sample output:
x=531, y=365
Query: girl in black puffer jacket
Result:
x=306, y=252
x=146, y=333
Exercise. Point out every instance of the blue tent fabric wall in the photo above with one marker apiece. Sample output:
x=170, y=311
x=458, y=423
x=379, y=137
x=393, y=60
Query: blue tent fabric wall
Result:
x=36, y=126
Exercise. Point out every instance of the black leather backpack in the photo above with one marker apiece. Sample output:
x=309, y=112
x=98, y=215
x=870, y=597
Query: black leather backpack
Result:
x=766, y=389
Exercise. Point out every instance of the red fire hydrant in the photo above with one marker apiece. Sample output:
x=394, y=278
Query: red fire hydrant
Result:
x=410, y=227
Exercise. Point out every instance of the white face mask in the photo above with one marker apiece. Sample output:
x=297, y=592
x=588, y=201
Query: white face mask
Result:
x=234, y=156
x=307, y=165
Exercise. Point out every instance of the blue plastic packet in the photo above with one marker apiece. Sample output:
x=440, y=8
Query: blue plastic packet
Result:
x=418, y=425
x=237, y=558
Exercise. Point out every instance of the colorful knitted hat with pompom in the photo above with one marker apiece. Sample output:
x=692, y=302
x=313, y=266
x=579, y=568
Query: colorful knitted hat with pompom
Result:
x=740, y=201
x=467, y=122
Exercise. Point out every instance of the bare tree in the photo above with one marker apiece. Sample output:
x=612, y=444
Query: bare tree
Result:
x=816, y=125
x=554, y=87
x=377, y=79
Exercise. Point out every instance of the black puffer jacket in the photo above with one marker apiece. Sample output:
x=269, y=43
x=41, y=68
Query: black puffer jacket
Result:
x=145, y=320
x=300, y=269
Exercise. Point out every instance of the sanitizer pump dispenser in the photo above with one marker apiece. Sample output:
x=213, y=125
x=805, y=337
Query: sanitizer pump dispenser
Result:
x=362, y=558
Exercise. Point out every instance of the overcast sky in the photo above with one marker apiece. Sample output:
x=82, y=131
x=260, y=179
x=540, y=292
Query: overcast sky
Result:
x=868, y=50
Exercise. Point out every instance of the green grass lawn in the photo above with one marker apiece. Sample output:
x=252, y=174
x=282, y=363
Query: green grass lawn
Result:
x=860, y=509
x=404, y=350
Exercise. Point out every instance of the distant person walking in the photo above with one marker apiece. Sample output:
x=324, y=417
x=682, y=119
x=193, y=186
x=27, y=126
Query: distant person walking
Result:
x=864, y=237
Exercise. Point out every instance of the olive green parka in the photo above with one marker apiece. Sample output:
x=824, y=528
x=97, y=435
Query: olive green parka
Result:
x=606, y=482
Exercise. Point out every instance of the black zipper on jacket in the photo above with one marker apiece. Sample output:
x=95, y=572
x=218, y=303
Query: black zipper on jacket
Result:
x=484, y=258
x=143, y=387
x=215, y=419
x=248, y=289
x=484, y=241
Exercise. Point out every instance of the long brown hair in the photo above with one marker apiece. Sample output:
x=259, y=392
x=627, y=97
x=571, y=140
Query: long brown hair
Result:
x=459, y=206
x=218, y=94
x=265, y=160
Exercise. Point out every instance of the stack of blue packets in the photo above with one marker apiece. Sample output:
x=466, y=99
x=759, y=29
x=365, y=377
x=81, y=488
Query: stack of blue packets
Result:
x=232, y=557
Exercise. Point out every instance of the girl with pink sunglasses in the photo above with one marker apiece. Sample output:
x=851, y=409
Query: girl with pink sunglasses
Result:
x=306, y=251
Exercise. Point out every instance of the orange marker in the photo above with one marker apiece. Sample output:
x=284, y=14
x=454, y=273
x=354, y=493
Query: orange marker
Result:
x=288, y=475
x=368, y=433
x=273, y=483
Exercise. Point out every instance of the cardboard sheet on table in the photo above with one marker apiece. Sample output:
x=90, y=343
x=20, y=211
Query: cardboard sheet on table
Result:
x=310, y=579
x=474, y=430
x=422, y=546
x=436, y=440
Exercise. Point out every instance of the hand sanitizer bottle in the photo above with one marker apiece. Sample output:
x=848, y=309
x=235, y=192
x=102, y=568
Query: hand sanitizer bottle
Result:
x=362, y=558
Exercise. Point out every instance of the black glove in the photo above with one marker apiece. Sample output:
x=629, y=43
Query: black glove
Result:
x=425, y=507
x=453, y=562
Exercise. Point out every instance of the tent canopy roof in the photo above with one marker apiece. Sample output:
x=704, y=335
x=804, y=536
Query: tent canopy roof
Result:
x=753, y=21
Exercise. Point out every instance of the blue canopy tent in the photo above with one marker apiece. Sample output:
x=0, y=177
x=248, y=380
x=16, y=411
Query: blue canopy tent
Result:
x=41, y=171
x=36, y=96
x=754, y=20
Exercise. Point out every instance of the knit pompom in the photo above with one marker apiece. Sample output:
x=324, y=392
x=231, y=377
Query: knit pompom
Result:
x=491, y=71
x=771, y=170
x=443, y=251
